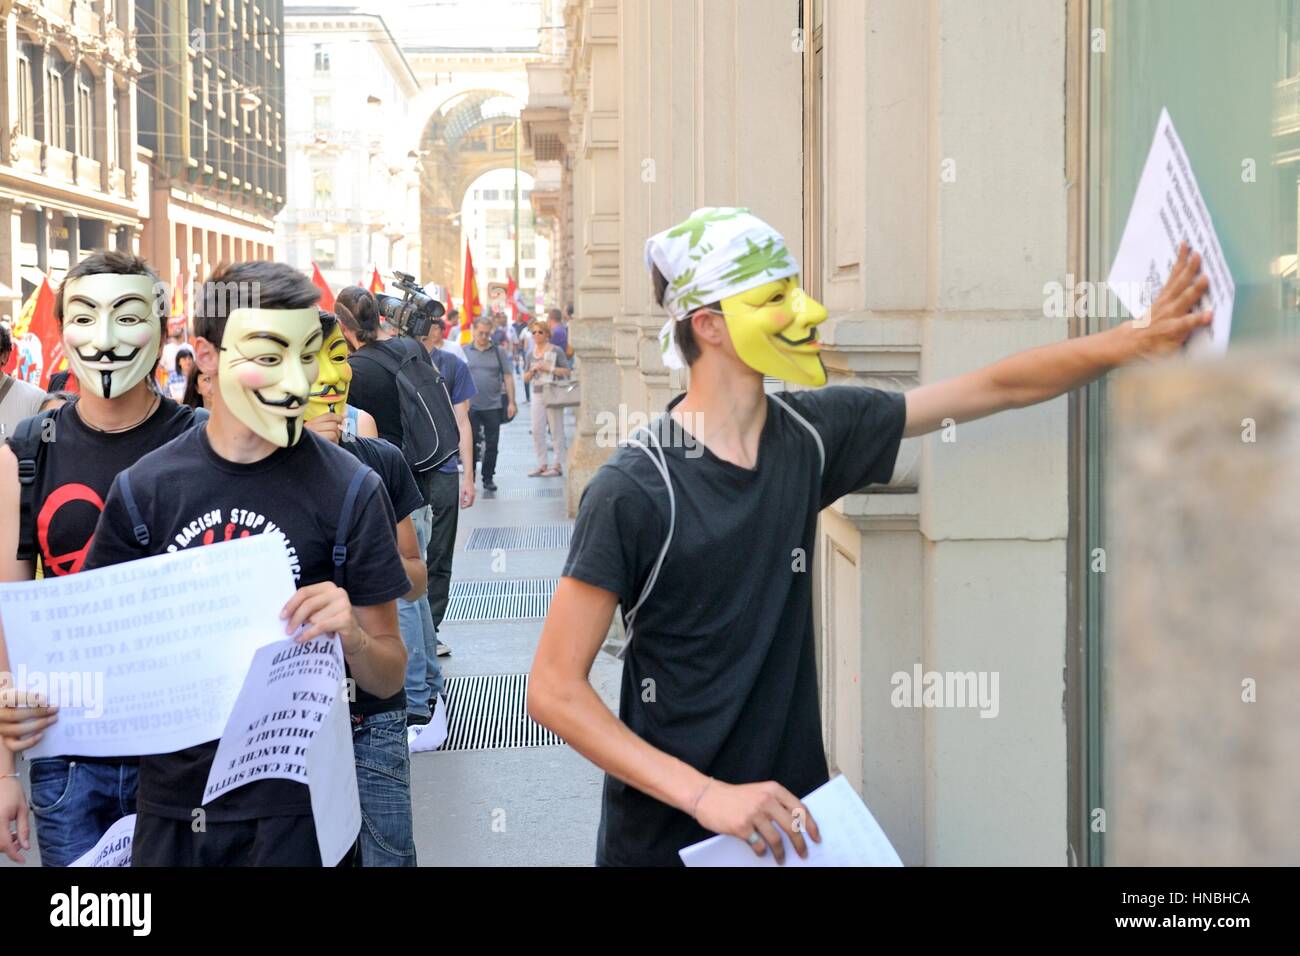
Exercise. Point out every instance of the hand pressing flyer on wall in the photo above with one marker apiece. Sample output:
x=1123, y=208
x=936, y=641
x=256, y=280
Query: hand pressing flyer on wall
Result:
x=290, y=722
x=1168, y=209
x=146, y=657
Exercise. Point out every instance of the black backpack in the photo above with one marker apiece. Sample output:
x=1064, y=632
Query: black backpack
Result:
x=430, y=433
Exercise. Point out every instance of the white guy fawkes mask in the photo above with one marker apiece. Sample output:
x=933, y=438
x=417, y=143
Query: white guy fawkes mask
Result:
x=269, y=360
x=111, y=331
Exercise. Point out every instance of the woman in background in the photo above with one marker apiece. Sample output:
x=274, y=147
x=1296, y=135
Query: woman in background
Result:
x=545, y=364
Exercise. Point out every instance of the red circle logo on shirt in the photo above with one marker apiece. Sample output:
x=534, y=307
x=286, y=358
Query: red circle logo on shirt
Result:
x=70, y=563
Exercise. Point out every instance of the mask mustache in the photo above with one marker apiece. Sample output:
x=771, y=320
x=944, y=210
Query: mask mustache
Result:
x=289, y=401
x=106, y=355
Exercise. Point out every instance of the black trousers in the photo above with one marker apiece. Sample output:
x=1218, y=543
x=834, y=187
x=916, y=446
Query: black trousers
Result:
x=268, y=841
x=486, y=424
x=444, y=502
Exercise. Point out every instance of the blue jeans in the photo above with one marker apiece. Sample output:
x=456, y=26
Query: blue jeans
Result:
x=423, y=674
x=384, y=786
x=75, y=802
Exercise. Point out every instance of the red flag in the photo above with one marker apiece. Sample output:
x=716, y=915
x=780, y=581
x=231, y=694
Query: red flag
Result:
x=376, y=283
x=512, y=293
x=38, y=346
x=326, y=296
x=469, y=292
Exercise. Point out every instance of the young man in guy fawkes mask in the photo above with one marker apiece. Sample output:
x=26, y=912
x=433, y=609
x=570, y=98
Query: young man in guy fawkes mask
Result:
x=109, y=308
x=378, y=725
x=724, y=488
x=249, y=469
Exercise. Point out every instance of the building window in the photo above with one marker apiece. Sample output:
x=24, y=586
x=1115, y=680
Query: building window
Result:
x=321, y=113
x=491, y=194
x=26, y=111
x=324, y=252
x=322, y=186
x=85, y=144
x=56, y=111
x=322, y=59
x=530, y=273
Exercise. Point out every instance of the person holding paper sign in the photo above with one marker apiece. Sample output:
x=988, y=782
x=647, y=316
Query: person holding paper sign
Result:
x=699, y=527
x=252, y=470
x=109, y=308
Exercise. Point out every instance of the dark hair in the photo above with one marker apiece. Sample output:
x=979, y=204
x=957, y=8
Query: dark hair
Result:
x=192, y=398
x=114, y=262
x=359, y=312
x=183, y=351
x=328, y=323
x=6, y=344
x=683, y=333
x=248, y=285
x=554, y=315
x=58, y=396
x=453, y=314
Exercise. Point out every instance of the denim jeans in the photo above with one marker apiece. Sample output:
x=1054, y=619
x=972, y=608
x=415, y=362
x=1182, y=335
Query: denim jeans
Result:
x=75, y=801
x=423, y=674
x=384, y=786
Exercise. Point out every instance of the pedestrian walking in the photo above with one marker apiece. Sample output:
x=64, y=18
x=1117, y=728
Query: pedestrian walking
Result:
x=494, y=399
x=545, y=364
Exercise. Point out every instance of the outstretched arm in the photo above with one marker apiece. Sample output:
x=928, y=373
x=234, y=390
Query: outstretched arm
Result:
x=1037, y=375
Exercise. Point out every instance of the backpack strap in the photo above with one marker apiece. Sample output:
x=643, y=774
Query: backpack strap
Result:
x=817, y=437
x=655, y=452
x=138, y=527
x=26, y=444
x=345, y=520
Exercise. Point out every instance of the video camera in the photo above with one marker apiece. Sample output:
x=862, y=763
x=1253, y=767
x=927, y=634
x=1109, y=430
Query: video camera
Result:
x=415, y=312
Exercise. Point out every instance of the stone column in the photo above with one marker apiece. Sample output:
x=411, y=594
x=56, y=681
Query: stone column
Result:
x=1201, y=675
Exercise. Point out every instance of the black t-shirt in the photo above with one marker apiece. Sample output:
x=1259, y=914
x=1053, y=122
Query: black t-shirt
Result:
x=189, y=496
x=399, y=484
x=726, y=636
x=75, y=471
x=374, y=390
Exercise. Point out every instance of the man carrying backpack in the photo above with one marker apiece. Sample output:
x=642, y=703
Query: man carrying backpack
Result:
x=109, y=311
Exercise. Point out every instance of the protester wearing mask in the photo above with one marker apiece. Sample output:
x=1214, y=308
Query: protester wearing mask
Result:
x=690, y=527
x=378, y=726
x=109, y=310
x=258, y=334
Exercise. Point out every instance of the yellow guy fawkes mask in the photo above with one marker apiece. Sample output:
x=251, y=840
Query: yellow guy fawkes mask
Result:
x=269, y=360
x=329, y=393
x=773, y=328
x=111, y=331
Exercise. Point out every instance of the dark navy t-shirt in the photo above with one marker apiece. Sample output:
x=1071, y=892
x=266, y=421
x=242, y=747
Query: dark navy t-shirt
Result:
x=726, y=636
x=460, y=385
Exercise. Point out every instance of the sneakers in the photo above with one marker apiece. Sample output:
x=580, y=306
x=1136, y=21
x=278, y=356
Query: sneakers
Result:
x=489, y=484
x=443, y=650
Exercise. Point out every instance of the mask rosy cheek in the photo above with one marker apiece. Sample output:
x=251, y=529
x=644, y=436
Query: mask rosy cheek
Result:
x=780, y=321
x=251, y=378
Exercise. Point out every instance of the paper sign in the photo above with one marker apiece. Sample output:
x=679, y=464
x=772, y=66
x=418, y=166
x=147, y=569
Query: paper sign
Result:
x=113, y=848
x=1168, y=209
x=291, y=723
x=332, y=785
x=146, y=657
x=850, y=837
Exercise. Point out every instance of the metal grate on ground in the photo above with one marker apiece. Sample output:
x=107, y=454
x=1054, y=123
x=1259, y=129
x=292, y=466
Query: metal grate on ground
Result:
x=512, y=494
x=499, y=600
x=489, y=712
x=544, y=537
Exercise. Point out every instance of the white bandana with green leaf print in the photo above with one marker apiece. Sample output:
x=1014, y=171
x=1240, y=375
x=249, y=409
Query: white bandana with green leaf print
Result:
x=720, y=251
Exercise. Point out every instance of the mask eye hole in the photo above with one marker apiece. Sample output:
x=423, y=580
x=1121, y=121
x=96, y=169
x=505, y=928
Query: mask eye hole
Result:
x=267, y=361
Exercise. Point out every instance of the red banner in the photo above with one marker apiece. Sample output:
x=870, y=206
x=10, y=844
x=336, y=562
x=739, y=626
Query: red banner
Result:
x=326, y=296
x=38, y=346
x=469, y=292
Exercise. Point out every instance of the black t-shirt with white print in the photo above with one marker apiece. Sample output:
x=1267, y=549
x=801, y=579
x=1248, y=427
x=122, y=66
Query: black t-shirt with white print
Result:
x=721, y=671
x=189, y=496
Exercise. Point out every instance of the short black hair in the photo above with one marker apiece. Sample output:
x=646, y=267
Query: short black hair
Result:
x=6, y=344
x=683, y=333
x=114, y=262
x=359, y=312
x=248, y=285
x=328, y=323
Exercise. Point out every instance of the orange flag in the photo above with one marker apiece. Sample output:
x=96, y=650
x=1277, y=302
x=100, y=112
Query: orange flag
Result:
x=326, y=296
x=38, y=346
x=376, y=283
x=469, y=292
